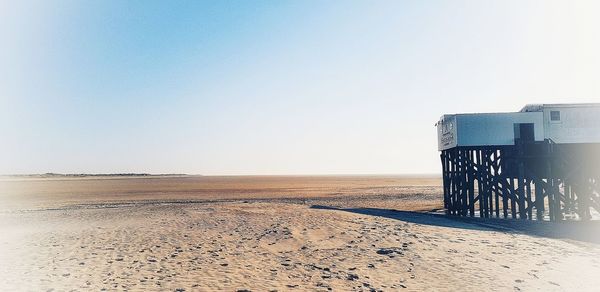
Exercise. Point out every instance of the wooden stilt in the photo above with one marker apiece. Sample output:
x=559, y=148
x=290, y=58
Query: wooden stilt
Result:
x=494, y=181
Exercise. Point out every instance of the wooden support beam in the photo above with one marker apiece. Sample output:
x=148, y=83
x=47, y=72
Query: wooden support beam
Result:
x=471, y=185
x=497, y=192
x=521, y=191
x=550, y=194
x=486, y=179
x=528, y=199
x=464, y=183
x=539, y=200
x=505, y=197
x=480, y=178
x=443, y=159
x=513, y=201
x=494, y=180
x=454, y=183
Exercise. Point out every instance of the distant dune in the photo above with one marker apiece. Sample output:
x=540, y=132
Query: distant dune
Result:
x=51, y=175
x=60, y=175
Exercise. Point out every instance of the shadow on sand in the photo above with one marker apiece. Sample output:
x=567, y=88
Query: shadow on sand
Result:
x=573, y=230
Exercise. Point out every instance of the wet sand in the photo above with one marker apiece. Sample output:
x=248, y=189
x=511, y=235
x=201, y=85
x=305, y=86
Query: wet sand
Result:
x=272, y=233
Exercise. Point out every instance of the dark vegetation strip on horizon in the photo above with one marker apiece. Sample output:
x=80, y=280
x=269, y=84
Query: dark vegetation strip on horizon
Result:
x=50, y=174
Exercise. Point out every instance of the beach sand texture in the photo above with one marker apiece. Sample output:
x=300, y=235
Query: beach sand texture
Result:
x=299, y=233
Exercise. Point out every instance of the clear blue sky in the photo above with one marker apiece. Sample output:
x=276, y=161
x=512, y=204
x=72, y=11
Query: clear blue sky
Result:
x=274, y=87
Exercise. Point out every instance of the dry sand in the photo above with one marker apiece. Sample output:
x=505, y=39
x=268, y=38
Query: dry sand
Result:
x=274, y=233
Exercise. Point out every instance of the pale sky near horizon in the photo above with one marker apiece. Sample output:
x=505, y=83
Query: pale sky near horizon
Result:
x=274, y=87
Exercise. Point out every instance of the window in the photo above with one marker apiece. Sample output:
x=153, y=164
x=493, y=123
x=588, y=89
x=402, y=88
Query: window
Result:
x=555, y=116
x=526, y=132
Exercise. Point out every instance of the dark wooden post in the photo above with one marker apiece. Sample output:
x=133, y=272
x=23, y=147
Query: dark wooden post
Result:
x=521, y=191
x=528, y=199
x=513, y=201
x=539, y=200
x=487, y=184
x=543, y=176
x=471, y=183
x=505, y=186
x=496, y=173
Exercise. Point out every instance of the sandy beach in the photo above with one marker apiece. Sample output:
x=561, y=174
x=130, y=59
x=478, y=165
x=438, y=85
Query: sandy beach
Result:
x=350, y=233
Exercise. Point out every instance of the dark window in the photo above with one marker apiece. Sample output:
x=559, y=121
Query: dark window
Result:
x=555, y=116
x=526, y=132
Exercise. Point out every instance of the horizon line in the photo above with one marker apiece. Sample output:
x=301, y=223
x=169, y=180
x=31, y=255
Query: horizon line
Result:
x=134, y=174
